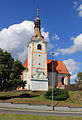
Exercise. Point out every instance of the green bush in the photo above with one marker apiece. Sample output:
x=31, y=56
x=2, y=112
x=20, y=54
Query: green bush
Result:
x=58, y=94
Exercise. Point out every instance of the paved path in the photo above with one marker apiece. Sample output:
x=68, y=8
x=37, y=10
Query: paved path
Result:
x=48, y=113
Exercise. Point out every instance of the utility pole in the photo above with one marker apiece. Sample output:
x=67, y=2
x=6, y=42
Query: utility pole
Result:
x=52, y=80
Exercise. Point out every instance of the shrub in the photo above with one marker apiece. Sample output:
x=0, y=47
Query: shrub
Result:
x=58, y=94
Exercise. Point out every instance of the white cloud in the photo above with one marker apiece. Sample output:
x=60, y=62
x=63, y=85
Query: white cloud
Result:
x=49, y=46
x=73, y=77
x=45, y=34
x=46, y=37
x=72, y=38
x=16, y=38
x=55, y=37
x=80, y=10
x=24, y=54
x=80, y=7
x=56, y=53
x=75, y=4
x=77, y=46
x=71, y=65
x=80, y=13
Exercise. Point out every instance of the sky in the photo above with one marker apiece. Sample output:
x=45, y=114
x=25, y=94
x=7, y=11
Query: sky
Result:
x=61, y=26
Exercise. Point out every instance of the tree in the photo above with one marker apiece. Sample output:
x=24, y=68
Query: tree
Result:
x=6, y=61
x=79, y=76
x=15, y=75
x=79, y=81
x=10, y=71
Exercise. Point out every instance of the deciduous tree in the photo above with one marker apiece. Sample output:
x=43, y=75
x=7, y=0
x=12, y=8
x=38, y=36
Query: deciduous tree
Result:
x=10, y=71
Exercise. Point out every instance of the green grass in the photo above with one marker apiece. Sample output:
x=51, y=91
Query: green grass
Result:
x=75, y=99
x=34, y=117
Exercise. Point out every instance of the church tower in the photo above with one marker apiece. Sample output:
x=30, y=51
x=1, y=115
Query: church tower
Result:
x=37, y=60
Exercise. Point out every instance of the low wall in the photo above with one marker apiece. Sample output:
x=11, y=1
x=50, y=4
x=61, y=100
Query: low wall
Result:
x=39, y=107
x=73, y=87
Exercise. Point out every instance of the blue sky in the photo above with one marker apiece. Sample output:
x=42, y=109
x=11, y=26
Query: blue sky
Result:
x=61, y=23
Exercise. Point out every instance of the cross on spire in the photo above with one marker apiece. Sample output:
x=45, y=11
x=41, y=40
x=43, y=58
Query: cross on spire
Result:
x=37, y=12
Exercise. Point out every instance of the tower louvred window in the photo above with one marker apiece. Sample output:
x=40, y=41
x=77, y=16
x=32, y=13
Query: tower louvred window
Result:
x=39, y=47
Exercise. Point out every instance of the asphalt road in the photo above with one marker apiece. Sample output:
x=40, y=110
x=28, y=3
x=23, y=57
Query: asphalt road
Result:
x=48, y=113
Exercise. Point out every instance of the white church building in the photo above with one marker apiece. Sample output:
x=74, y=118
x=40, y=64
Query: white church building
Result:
x=38, y=69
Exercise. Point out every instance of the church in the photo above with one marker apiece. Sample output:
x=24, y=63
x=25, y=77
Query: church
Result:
x=40, y=71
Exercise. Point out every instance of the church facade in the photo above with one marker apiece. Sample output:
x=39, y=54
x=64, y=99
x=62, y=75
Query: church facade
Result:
x=38, y=69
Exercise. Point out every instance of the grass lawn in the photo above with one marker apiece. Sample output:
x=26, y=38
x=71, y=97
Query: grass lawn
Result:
x=75, y=99
x=34, y=117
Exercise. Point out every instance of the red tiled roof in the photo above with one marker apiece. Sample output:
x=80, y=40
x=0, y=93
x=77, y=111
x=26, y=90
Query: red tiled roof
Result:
x=26, y=63
x=58, y=66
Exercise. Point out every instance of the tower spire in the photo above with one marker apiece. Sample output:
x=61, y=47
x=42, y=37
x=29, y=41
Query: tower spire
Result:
x=37, y=32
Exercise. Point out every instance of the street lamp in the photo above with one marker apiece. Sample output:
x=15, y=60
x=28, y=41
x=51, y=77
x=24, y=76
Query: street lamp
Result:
x=52, y=79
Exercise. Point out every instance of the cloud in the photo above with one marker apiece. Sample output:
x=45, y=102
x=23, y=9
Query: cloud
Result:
x=72, y=38
x=15, y=38
x=49, y=46
x=56, y=53
x=75, y=4
x=73, y=77
x=77, y=46
x=46, y=37
x=71, y=65
x=80, y=7
x=80, y=10
x=22, y=56
x=45, y=34
x=55, y=37
x=80, y=13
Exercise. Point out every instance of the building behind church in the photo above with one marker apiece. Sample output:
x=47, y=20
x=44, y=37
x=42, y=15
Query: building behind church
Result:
x=38, y=69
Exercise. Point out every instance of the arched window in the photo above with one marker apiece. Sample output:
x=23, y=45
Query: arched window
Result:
x=39, y=47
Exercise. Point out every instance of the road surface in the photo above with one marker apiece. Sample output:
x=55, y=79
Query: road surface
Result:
x=34, y=112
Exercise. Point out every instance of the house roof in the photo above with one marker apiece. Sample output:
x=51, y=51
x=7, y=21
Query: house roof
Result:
x=58, y=66
x=26, y=63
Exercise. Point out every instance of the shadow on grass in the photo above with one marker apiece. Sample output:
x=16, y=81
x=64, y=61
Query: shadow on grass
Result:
x=19, y=96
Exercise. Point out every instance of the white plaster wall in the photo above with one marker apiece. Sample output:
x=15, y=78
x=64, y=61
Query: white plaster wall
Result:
x=39, y=85
x=59, y=78
x=25, y=78
x=29, y=61
x=41, y=60
x=50, y=78
x=29, y=55
x=25, y=75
